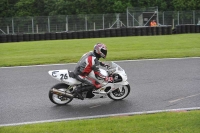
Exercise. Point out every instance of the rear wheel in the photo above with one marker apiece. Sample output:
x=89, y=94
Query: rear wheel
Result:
x=119, y=95
x=58, y=99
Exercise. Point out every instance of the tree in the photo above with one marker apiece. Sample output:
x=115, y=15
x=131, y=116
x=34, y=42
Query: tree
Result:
x=11, y=8
x=49, y=7
x=180, y=5
x=7, y=8
x=29, y=7
x=120, y=6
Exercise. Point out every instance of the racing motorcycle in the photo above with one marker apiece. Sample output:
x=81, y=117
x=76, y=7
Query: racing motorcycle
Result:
x=117, y=89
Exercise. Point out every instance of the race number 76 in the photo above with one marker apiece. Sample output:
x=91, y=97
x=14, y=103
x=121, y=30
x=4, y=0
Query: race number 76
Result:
x=63, y=76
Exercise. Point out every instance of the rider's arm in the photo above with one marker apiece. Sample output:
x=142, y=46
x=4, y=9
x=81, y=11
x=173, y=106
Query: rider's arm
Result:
x=104, y=65
x=96, y=70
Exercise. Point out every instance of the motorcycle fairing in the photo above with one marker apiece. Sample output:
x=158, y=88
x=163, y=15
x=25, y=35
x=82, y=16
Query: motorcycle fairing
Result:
x=64, y=76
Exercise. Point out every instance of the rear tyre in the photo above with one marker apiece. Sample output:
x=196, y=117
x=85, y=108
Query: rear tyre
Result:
x=117, y=95
x=57, y=99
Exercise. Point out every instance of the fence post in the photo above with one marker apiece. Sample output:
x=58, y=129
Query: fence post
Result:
x=67, y=23
x=103, y=22
x=193, y=16
x=117, y=19
x=37, y=28
x=48, y=24
x=163, y=18
x=127, y=16
x=157, y=17
x=86, y=22
x=7, y=29
x=13, y=29
x=178, y=17
x=32, y=26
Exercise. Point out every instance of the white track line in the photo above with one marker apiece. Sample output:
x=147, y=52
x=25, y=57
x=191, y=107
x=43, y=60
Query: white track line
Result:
x=103, y=116
x=183, y=98
x=159, y=59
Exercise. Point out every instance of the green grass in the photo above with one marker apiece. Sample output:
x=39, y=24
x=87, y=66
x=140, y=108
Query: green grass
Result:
x=119, y=48
x=170, y=122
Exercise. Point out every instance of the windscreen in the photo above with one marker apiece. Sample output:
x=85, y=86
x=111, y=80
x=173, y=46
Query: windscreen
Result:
x=114, y=65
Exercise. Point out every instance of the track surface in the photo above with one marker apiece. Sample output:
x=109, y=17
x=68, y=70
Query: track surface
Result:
x=155, y=85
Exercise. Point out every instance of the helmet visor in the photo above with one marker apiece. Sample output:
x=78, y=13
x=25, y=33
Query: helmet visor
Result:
x=104, y=53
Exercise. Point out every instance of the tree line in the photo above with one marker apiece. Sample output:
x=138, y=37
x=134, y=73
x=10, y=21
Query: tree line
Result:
x=15, y=8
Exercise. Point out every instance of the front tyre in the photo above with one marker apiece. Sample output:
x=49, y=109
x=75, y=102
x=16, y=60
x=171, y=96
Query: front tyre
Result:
x=117, y=95
x=58, y=99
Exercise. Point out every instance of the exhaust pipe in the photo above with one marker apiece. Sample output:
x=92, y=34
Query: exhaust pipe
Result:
x=61, y=93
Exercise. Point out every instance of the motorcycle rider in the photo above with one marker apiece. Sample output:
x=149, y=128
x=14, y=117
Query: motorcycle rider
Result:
x=90, y=62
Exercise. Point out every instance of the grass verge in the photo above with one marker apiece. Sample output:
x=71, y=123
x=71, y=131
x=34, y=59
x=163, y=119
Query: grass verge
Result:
x=170, y=122
x=119, y=48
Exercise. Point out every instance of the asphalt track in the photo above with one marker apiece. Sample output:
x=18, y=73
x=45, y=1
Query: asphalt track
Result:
x=161, y=84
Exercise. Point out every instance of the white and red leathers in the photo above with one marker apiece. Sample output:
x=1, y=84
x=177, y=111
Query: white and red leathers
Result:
x=89, y=62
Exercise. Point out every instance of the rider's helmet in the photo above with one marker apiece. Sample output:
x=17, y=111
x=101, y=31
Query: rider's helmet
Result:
x=100, y=50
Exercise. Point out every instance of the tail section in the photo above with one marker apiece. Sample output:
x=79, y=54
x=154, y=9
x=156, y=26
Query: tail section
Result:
x=64, y=76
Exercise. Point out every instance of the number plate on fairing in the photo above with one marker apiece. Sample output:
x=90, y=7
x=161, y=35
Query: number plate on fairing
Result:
x=63, y=75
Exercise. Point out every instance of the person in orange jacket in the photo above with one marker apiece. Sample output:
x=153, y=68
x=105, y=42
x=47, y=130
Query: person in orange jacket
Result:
x=153, y=23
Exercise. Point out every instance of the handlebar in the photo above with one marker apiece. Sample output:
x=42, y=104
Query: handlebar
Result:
x=111, y=71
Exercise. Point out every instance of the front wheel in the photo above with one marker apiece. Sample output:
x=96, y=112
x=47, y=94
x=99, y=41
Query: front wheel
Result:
x=59, y=99
x=117, y=95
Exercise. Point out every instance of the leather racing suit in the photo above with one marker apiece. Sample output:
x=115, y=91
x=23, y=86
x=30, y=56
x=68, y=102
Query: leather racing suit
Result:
x=89, y=62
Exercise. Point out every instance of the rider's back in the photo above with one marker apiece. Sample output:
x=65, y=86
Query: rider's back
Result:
x=86, y=64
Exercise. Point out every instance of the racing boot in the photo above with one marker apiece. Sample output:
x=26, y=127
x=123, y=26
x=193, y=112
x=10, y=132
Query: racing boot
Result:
x=78, y=91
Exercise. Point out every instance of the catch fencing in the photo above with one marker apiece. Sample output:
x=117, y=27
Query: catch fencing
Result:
x=143, y=17
x=175, y=18
x=133, y=17
x=61, y=23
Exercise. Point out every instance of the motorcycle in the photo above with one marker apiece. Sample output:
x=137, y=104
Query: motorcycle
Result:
x=62, y=93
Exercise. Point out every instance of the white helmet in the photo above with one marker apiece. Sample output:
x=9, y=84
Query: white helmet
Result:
x=100, y=50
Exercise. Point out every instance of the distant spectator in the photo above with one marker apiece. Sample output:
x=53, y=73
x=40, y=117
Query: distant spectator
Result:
x=153, y=23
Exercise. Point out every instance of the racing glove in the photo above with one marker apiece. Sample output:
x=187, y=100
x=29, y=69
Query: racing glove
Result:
x=109, y=79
